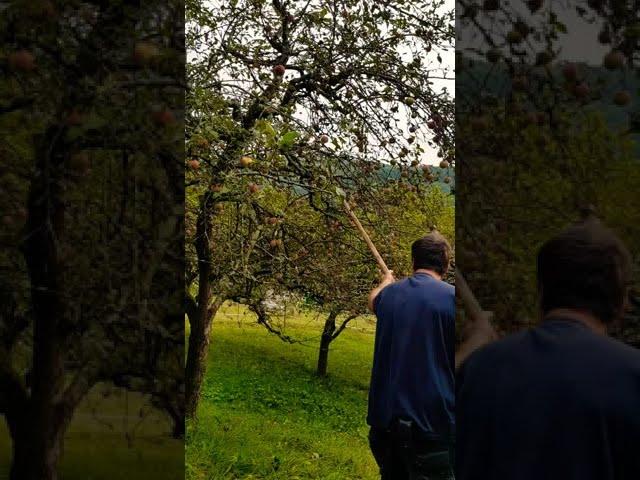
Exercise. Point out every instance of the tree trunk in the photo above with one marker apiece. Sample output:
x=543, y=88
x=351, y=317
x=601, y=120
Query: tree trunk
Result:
x=202, y=316
x=325, y=342
x=39, y=432
x=178, y=430
x=196, y=366
x=30, y=462
x=36, y=449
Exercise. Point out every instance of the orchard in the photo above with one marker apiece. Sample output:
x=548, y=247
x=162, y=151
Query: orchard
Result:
x=294, y=108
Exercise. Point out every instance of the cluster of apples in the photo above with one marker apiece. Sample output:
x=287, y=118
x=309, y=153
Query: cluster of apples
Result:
x=613, y=60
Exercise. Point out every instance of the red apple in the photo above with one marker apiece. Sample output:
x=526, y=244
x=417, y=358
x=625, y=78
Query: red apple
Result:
x=614, y=60
x=622, y=98
x=479, y=123
x=74, y=118
x=279, y=70
x=520, y=83
x=80, y=162
x=194, y=164
x=22, y=61
x=570, y=71
x=164, y=117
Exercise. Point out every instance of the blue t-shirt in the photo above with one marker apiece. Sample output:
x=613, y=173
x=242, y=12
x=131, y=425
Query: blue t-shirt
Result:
x=413, y=362
x=555, y=402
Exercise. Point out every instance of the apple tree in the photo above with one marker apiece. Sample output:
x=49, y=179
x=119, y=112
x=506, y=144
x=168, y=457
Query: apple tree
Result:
x=91, y=196
x=313, y=96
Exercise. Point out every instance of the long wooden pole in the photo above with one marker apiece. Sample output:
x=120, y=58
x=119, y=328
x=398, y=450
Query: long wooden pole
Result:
x=469, y=300
x=367, y=239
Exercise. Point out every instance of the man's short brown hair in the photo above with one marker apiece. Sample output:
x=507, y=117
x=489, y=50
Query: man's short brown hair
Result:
x=431, y=252
x=585, y=267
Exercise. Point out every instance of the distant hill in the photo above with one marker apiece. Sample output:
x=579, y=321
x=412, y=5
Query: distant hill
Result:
x=603, y=81
x=390, y=172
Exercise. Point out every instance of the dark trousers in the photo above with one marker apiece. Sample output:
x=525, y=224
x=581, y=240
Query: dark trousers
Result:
x=403, y=454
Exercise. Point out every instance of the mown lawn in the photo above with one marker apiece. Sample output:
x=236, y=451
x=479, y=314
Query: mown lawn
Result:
x=265, y=415
x=115, y=437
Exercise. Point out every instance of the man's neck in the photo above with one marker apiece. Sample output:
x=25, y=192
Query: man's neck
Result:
x=587, y=319
x=433, y=273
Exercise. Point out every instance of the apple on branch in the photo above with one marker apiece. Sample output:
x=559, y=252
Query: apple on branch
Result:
x=163, y=117
x=22, y=61
x=145, y=52
x=245, y=161
x=622, y=98
x=614, y=60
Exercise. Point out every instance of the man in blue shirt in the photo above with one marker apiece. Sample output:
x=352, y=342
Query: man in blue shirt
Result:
x=411, y=397
x=562, y=400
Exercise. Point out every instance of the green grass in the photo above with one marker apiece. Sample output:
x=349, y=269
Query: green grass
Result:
x=114, y=437
x=265, y=415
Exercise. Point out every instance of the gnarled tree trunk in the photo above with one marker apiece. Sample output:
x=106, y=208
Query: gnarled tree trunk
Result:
x=38, y=429
x=325, y=341
x=36, y=451
x=195, y=368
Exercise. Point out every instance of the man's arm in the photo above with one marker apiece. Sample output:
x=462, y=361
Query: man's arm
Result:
x=387, y=279
x=479, y=333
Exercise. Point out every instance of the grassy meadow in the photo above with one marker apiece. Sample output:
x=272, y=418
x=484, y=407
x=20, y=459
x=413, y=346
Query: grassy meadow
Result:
x=265, y=415
x=114, y=437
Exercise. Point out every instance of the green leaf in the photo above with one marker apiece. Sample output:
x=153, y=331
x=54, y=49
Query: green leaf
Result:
x=289, y=139
x=264, y=127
